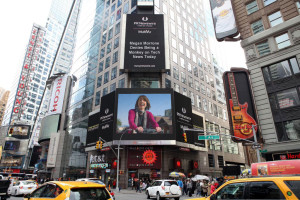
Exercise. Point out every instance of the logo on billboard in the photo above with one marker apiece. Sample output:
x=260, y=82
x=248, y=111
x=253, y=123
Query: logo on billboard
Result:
x=183, y=110
x=149, y=157
x=145, y=19
x=106, y=111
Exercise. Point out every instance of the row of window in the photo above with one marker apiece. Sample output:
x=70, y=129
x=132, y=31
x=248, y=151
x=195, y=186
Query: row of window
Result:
x=274, y=19
x=252, y=6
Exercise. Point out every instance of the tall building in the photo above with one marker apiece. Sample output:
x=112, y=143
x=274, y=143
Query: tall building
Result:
x=3, y=101
x=96, y=65
x=270, y=38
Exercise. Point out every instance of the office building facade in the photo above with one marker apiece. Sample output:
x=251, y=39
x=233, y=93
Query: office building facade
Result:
x=270, y=38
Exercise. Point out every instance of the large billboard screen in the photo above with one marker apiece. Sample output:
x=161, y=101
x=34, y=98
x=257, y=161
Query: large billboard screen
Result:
x=223, y=18
x=145, y=115
x=19, y=131
x=50, y=124
x=12, y=145
x=240, y=105
x=145, y=46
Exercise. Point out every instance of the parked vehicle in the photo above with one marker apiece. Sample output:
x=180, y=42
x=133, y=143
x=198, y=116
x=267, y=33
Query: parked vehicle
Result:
x=258, y=188
x=22, y=187
x=95, y=180
x=73, y=190
x=164, y=189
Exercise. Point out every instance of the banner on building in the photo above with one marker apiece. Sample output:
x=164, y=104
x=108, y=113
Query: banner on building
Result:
x=145, y=47
x=240, y=105
x=57, y=95
x=223, y=19
x=53, y=148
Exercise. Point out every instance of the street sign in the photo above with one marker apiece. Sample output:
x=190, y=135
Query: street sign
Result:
x=208, y=137
x=256, y=146
x=263, y=151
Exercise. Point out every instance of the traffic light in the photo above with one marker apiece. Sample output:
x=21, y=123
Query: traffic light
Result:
x=184, y=137
x=97, y=144
x=101, y=144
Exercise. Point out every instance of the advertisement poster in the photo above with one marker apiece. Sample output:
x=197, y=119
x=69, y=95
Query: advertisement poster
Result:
x=223, y=18
x=240, y=105
x=19, y=131
x=57, y=95
x=93, y=129
x=276, y=168
x=143, y=157
x=145, y=44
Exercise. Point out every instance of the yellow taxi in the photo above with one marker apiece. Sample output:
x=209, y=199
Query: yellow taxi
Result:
x=70, y=190
x=258, y=188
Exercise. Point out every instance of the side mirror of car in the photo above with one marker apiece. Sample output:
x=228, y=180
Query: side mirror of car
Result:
x=213, y=197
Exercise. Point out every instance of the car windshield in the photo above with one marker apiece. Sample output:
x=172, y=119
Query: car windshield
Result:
x=169, y=183
x=29, y=183
x=89, y=194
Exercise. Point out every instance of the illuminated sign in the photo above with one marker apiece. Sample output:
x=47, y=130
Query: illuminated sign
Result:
x=99, y=166
x=29, y=65
x=240, y=104
x=149, y=157
x=286, y=156
x=144, y=157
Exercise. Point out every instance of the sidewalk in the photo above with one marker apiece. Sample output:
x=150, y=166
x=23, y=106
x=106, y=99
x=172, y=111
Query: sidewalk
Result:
x=128, y=191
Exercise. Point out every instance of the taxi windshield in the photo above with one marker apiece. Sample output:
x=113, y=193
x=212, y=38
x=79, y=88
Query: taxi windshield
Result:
x=89, y=194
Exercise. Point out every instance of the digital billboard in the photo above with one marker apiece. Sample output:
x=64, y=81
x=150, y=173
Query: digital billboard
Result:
x=49, y=125
x=223, y=19
x=145, y=47
x=19, y=131
x=12, y=145
x=240, y=104
x=144, y=114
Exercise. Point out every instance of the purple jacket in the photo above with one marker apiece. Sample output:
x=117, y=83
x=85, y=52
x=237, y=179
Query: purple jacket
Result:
x=151, y=123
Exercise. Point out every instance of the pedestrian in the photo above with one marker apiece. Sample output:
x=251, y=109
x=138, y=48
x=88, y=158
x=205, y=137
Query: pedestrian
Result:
x=185, y=187
x=138, y=186
x=189, y=187
x=205, y=188
x=198, y=187
x=220, y=181
x=180, y=184
x=212, y=187
x=114, y=184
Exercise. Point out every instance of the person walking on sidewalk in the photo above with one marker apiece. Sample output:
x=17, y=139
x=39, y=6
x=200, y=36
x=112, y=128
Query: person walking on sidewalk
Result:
x=189, y=187
x=138, y=186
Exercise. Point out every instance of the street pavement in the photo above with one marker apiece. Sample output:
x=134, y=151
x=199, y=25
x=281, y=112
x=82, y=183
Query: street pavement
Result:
x=125, y=194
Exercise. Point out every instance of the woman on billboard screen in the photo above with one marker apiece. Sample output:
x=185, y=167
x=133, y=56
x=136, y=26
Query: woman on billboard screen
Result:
x=140, y=119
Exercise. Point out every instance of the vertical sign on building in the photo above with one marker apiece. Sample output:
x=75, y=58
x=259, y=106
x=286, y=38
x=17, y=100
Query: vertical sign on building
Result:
x=145, y=47
x=240, y=104
x=29, y=65
x=57, y=95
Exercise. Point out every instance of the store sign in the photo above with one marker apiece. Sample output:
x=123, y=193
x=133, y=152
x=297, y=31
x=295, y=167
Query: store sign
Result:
x=57, y=95
x=287, y=156
x=99, y=166
x=97, y=159
x=144, y=157
x=145, y=47
x=29, y=65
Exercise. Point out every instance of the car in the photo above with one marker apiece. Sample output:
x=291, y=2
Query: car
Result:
x=95, y=180
x=164, y=189
x=22, y=187
x=258, y=188
x=70, y=190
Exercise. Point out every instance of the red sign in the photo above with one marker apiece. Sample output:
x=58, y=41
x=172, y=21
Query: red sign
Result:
x=144, y=157
x=184, y=149
x=276, y=168
x=195, y=164
x=177, y=163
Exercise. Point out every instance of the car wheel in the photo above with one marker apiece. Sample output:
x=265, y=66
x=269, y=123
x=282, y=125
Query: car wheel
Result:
x=158, y=196
x=177, y=198
x=147, y=194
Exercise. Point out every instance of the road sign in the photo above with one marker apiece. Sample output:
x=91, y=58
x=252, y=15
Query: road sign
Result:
x=256, y=146
x=263, y=151
x=208, y=137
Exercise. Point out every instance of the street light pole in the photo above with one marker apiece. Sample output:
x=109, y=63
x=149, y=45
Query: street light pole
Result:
x=118, y=160
x=255, y=140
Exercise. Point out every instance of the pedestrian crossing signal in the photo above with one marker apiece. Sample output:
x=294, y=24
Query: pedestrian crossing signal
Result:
x=97, y=144
x=184, y=137
x=101, y=144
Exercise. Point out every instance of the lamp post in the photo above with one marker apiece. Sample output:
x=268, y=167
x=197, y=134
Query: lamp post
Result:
x=118, y=160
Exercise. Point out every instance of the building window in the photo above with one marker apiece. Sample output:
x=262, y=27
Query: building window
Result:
x=283, y=41
x=199, y=103
x=263, y=48
x=175, y=73
x=176, y=87
x=257, y=27
x=221, y=161
x=184, y=91
x=99, y=81
x=100, y=69
x=281, y=70
x=122, y=83
x=107, y=62
x=275, y=19
x=106, y=77
x=288, y=98
x=108, y=48
x=183, y=78
x=116, y=43
x=211, y=162
x=97, y=99
x=268, y=2
x=115, y=57
x=114, y=73
x=288, y=130
x=205, y=105
x=105, y=91
x=117, y=29
x=251, y=7
x=174, y=57
x=298, y=5
x=168, y=83
x=112, y=87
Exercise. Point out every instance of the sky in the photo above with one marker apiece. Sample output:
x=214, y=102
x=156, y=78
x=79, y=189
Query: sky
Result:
x=18, y=16
x=16, y=21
